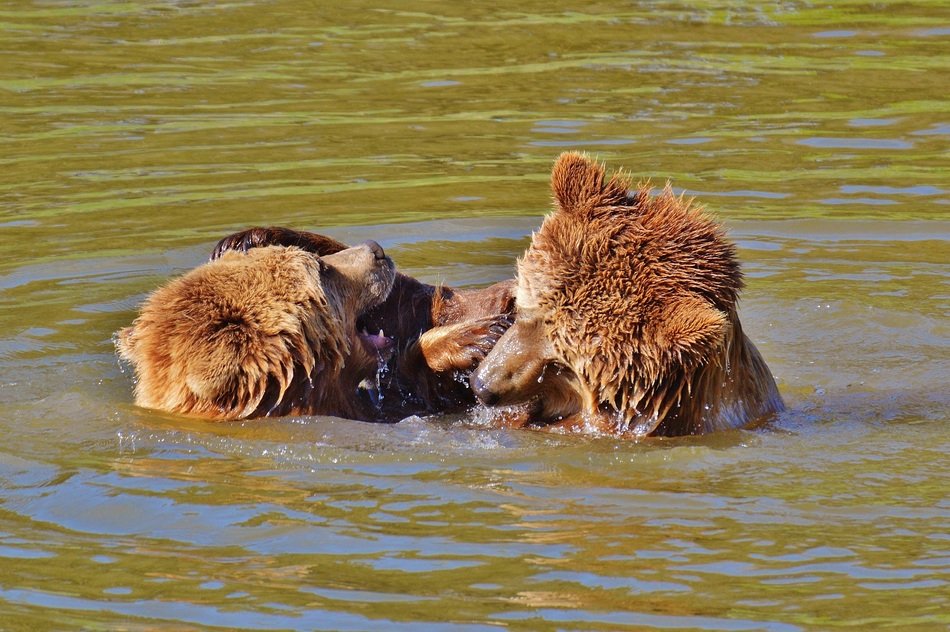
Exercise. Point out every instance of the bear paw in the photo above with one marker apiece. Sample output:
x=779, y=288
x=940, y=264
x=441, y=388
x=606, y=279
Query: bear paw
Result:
x=462, y=346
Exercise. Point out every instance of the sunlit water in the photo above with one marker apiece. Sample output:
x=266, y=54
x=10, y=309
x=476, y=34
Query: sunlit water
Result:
x=134, y=135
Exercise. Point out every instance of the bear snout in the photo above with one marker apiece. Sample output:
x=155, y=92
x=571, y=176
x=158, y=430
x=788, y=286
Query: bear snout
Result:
x=482, y=391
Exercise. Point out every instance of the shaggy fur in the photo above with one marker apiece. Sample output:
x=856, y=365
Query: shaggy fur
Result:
x=438, y=333
x=626, y=317
x=269, y=332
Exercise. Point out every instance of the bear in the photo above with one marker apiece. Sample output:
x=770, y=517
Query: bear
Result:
x=439, y=333
x=273, y=330
x=267, y=332
x=626, y=319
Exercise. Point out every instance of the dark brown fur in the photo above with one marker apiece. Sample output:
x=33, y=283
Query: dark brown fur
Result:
x=626, y=318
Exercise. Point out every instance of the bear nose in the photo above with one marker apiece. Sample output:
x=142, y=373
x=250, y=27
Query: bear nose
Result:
x=378, y=253
x=484, y=394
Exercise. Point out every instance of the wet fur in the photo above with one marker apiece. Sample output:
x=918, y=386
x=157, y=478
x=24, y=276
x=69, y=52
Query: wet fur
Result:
x=440, y=333
x=269, y=332
x=626, y=317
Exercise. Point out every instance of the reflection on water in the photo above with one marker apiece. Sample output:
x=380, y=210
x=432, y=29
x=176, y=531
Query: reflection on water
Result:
x=135, y=135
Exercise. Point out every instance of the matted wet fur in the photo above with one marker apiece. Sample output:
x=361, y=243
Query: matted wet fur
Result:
x=439, y=333
x=267, y=332
x=626, y=318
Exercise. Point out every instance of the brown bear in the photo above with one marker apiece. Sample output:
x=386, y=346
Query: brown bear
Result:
x=267, y=330
x=626, y=319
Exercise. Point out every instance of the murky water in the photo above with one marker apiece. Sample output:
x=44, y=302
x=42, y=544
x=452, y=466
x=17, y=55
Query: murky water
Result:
x=134, y=135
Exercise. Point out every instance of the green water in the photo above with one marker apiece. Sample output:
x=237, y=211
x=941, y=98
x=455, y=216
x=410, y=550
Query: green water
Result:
x=134, y=134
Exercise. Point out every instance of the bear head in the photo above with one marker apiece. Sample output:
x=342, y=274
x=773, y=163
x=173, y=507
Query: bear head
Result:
x=621, y=297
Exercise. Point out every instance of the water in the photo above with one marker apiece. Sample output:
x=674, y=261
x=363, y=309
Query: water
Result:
x=134, y=135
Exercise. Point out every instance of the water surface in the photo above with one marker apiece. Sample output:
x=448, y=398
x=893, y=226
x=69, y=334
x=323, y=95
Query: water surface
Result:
x=134, y=135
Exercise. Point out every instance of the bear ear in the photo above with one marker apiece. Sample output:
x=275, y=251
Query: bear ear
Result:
x=579, y=188
x=691, y=329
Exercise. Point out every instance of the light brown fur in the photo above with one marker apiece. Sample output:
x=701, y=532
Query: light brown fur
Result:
x=269, y=332
x=626, y=318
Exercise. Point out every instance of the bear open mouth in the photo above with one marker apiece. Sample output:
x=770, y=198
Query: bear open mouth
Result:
x=382, y=348
x=378, y=345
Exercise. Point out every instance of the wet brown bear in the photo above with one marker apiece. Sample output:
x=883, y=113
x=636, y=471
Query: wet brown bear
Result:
x=626, y=318
x=439, y=333
x=272, y=331
x=275, y=330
